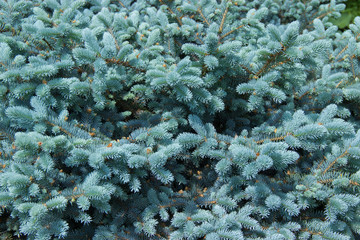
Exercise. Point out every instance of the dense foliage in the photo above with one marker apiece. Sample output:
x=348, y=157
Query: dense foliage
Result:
x=174, y=119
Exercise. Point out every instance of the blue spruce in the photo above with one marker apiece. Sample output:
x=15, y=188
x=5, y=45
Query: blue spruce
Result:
x=174, y=119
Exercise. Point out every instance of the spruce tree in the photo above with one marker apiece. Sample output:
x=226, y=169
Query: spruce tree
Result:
x=179, y=119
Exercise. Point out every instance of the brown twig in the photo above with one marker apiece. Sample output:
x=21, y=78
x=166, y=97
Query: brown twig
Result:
x=223, y=20
x=322, y=161
x=274, y=139
x=172, y=12
x=321, y=16
x=61, y=129
x=346, y=47
x=333, y=162
x=202, y=15
x=126, y=64
x=122, y=5
x=311, y=232
x=272, y=58
x=337, y=85
x=47, y=43
x=351, y=182
x=280, y=63
x=116, y=42
x=247, y=69
x=352, y=66
x=230, y=32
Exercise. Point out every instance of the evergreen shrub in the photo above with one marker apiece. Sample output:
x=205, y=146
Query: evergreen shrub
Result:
x=174, y=119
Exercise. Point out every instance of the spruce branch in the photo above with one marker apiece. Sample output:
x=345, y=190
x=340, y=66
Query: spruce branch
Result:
x=322, y=161
x=336, y=159
x=272, y=58
x=275, y=139
x=247, y=69
x=223, y=19
x=171, y=11
x=122, y=4
x=345, y=48
x=230, y=32
x=116, y=42
x=202, y=15
x=351, y=182
x=188, y=127
x=61, y=128
x=311, y=232
x=308, y=25
x=125, y=64
x=51, y=48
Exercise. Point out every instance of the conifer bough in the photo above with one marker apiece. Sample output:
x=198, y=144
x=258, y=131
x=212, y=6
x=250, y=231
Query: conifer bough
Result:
x=172, y=119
